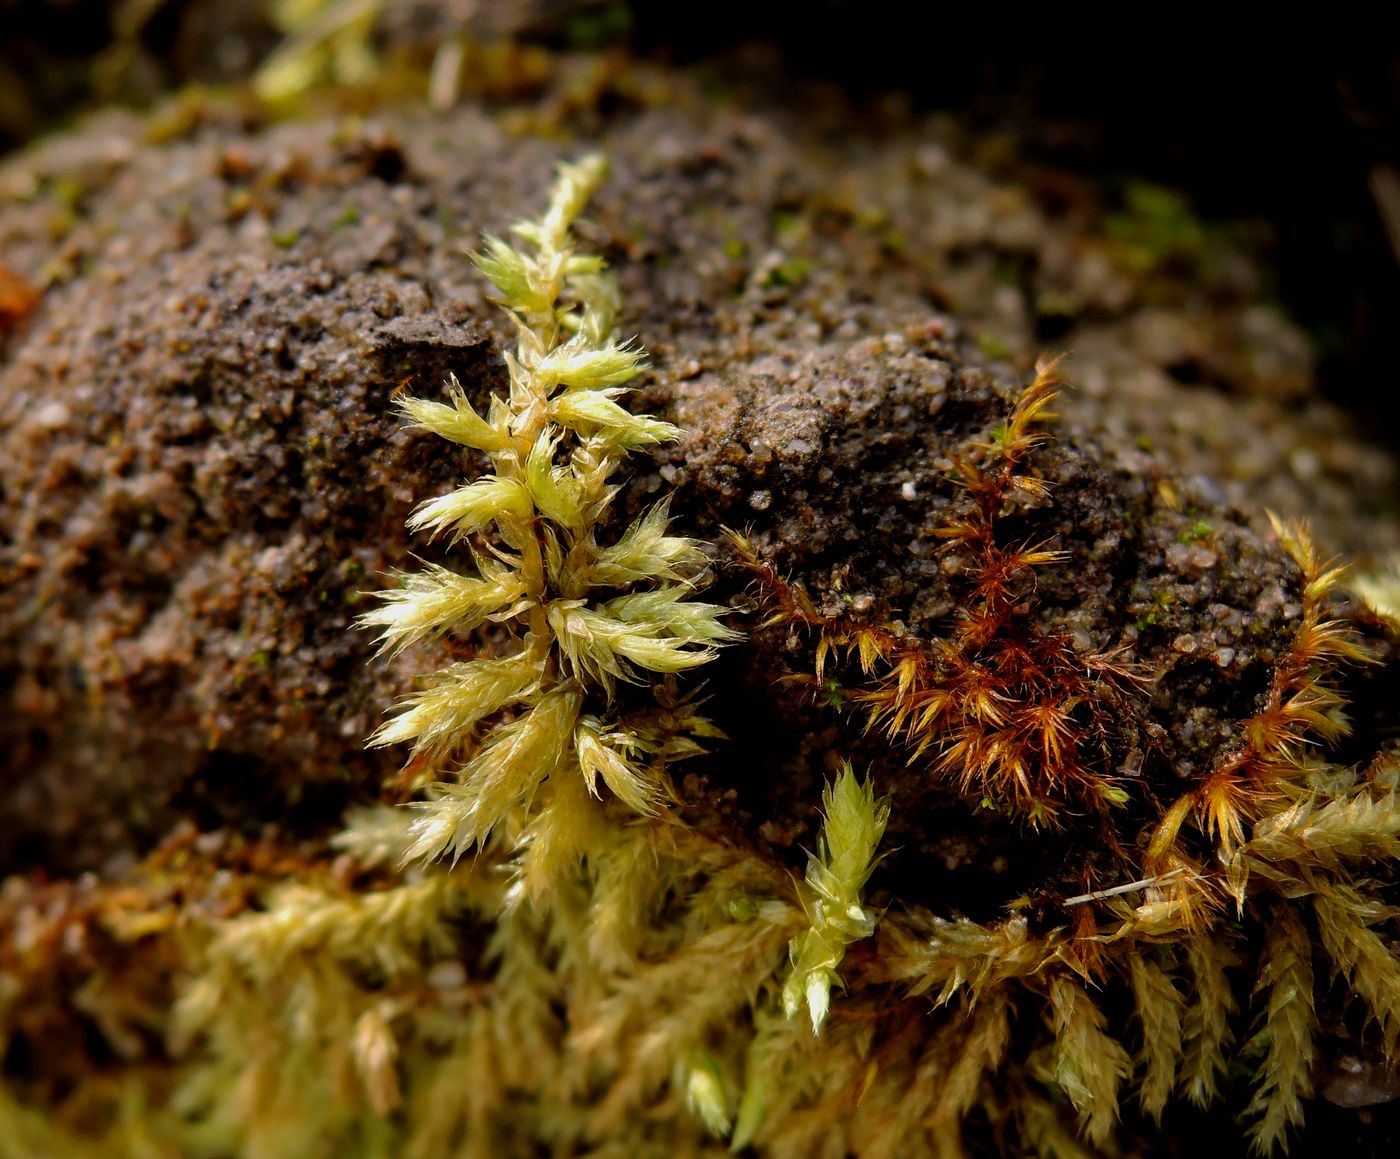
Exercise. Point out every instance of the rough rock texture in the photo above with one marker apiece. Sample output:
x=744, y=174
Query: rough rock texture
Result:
x=200, y=473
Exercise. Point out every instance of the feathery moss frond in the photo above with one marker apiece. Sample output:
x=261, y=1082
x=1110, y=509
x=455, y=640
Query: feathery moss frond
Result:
x=997, y=704
x=658, y=631
x=385, y=931
x=557, y=835
x=1207, y=1017
x=458, y=423
x=705, y=1092
x=600, y=755
x=629, y=888
x=958, y=955
x=1045, y=1131
x=854, y=823
x=980, y=1052
x=468, y=509
x=458, y=698
x=1328, y=833
x=718, y=970
x=588, y=374
x=592, y=413
x=1285, y=1031
x=645, y=551
x=375, y=836
x=1089, y=1064
x=1300, y=708
x=554, y=442
x=1160, y=1008
x=436, y=600
x=514, y=760
x=1358, y=955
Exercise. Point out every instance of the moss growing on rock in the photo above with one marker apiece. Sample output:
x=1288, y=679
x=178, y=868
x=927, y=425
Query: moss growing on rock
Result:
x=201, y=466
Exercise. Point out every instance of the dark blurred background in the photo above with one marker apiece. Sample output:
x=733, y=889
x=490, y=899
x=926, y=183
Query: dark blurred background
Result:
x=1292, y=129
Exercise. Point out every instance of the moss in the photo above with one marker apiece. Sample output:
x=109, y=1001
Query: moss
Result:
x=786, y=273
x=345, y=218
x=993, y=347
x=598, y=25
x=1157, y=228
x=1025, y=974
x=554, y=441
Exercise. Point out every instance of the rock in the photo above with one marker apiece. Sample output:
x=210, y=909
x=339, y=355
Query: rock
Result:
x=201, y=473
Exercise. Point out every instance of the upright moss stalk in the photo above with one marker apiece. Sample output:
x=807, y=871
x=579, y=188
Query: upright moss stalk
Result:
x=854, y=824
x=538, y=721
x=994, y=702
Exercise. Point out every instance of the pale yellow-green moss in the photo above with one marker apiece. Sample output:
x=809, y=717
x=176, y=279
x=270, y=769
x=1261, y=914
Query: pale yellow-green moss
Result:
x=854, y=823
x=592, y=974
x=555, y=442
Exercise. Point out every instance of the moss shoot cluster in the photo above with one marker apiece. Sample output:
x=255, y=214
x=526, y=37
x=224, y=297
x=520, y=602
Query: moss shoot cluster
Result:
x=549, y=953
x=588, y=614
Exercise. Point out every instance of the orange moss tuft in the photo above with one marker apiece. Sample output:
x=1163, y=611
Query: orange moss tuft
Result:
x=1299, y=709
x=1000, y=704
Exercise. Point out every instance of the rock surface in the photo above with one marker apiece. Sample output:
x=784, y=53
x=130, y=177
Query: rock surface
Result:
x=201, y=473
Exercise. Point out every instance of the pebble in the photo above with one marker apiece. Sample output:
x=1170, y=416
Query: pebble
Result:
x=447, y=976
x=52, y=415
